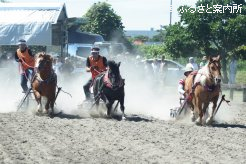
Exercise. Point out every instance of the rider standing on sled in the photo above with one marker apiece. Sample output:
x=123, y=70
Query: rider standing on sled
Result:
x=188, y=70
x=26, y=60
x=181, y=86
x=95, y=64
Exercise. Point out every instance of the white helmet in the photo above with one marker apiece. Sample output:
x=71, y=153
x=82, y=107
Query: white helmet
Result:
x=188, y=69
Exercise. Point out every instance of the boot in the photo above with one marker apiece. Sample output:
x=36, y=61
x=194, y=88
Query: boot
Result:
x=88, y=97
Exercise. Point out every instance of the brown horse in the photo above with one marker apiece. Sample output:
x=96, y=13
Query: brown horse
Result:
x=44, y=82
x=204, y=87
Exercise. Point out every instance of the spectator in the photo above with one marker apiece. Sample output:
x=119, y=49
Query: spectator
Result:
x=154, y=65
x=192, y=64
x=203, y=62
x=57, y=65
x=163, y=68
x=66, y=68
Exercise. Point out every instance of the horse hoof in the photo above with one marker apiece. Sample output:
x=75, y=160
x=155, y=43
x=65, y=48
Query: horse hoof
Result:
x=193, y=118
x=51, y=115
x=123, y=118
x=209, y=121
x=45, y=111
x=198, y=122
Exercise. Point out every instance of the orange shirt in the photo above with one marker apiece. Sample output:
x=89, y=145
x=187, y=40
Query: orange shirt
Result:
x=28, y=61
x=97, y=63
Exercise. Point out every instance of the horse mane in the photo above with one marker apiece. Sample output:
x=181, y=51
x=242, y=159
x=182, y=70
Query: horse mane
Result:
x=44, y=55
x=112, y=64
x=202, y=75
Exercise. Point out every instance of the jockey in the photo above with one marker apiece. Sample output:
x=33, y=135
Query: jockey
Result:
x=181, y=91
x=95, y=64
x=26, y=60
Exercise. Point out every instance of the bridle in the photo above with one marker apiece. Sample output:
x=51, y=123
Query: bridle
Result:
x=42, y=65
x=211, y=76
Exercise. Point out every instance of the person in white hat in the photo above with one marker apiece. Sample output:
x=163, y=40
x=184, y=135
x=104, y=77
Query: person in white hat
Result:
x=26, y=60
x=192, y=64
x=188, y=70
x=95, y=64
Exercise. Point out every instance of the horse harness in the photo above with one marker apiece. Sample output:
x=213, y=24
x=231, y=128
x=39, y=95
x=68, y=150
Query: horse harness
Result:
x=52, y=79
x=209, y=88
x=107, y=83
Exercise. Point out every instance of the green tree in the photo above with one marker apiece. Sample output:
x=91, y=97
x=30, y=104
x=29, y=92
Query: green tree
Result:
x=102, y=19
x=160, y=37
x=223, y=32
x=75, y=23
x=142, y=38
x=178, y=41
x=152, y=51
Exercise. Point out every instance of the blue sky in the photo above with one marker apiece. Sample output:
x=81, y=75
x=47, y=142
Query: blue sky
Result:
x=135, y=14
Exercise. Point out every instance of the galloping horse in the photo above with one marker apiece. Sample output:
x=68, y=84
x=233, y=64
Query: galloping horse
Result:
x=44, y=82
x=109, y=86
x=204, y=87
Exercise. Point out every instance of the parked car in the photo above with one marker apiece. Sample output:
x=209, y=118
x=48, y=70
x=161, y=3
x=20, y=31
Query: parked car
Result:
x=174, y=70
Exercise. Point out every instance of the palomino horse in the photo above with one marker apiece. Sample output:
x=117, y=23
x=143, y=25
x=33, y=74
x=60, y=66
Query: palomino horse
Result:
x=109, y=86
x=44, y=82
x=204, y=88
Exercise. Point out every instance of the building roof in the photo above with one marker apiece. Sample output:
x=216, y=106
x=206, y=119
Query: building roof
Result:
x=21, y=13
x=30, y=21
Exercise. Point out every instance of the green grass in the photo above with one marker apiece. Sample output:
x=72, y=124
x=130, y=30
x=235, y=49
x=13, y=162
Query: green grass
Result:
x=237, y=95
x=241, y=77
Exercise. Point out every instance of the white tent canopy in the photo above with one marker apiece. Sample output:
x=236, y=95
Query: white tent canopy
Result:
x=30, y=21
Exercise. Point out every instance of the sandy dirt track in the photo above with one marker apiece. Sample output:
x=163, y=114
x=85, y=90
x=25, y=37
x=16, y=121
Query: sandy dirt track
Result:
x=147, y=136
x=27, y=138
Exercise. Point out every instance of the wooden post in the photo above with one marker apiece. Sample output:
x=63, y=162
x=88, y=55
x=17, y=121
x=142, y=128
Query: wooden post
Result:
x=231, y=93
x=244, y=94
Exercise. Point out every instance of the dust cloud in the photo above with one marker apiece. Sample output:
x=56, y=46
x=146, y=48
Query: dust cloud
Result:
x=10, y=91
x=144, y=94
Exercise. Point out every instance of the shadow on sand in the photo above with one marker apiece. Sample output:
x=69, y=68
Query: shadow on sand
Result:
x=134, y=118
x=137, y=118
x=217, y=125
x=68, y=116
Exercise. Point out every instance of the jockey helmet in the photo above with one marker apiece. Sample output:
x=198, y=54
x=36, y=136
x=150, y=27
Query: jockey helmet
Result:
x=95, y=49
x=188, y=69
x=21, y=42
